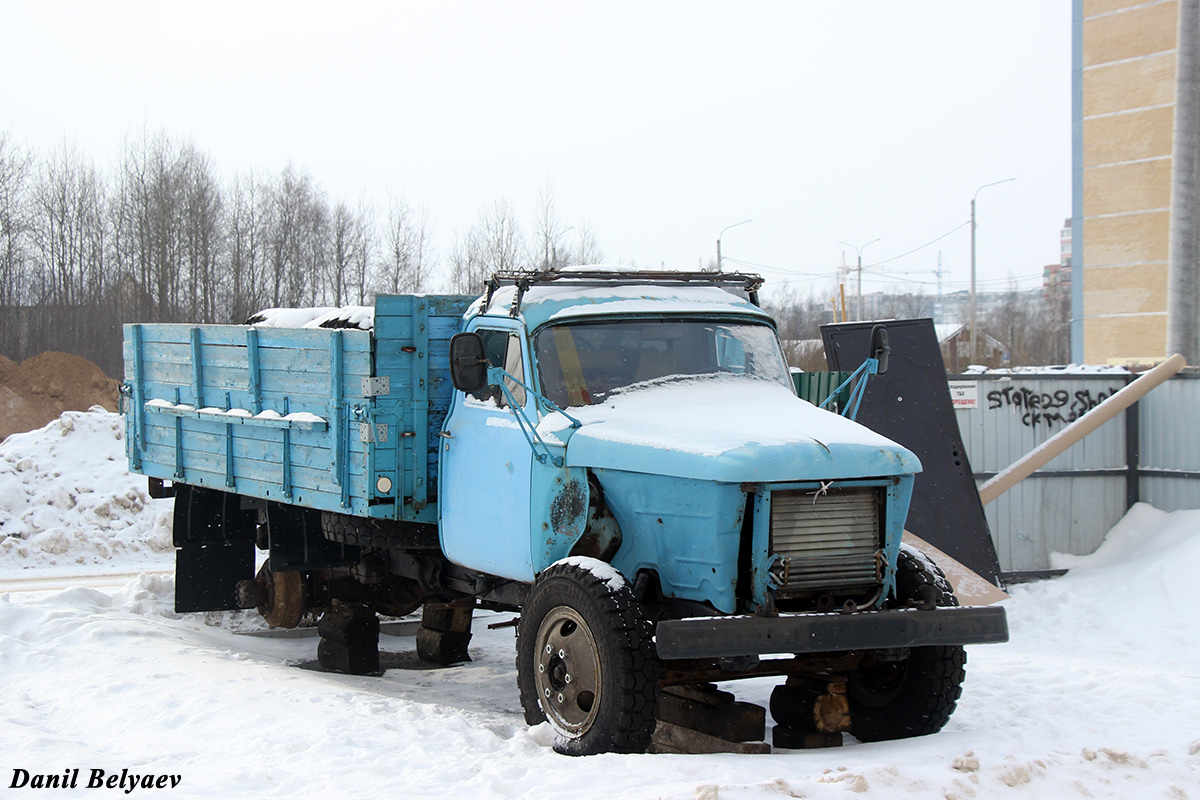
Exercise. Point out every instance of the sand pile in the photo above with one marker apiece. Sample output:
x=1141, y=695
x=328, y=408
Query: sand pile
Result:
x=40, y=388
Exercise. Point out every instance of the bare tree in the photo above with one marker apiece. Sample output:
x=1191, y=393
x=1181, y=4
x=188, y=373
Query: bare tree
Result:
x=468, y=263
x=906, y=305
x=406, y=249
x=290, y=223
x=491, y=245
x=588, y=249
x=799, y=317
x=15, y=169
x=363, y=249
x=69, y=240
x=204, y=234
x=549, y=232
x=1033, y=326
x=245, y=248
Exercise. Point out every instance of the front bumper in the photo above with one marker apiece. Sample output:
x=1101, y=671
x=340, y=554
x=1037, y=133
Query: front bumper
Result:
x=715, y=637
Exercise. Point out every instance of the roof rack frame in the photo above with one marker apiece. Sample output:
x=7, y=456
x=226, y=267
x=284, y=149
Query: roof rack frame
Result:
x=523, y=280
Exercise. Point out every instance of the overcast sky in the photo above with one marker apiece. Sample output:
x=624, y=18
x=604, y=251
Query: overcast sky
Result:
x=658, y=124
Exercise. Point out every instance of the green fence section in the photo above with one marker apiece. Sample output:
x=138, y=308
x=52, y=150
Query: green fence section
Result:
x=816, y=386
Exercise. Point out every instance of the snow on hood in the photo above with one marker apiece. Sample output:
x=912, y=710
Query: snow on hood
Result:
x=725, y=429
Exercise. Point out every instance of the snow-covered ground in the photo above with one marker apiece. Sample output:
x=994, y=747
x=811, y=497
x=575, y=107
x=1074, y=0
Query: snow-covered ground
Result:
x=1097, y=694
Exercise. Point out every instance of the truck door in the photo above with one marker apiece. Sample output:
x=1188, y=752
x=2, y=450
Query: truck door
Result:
x=484, y=484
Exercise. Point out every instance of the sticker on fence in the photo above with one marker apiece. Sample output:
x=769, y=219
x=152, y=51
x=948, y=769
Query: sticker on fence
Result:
x=964, y=394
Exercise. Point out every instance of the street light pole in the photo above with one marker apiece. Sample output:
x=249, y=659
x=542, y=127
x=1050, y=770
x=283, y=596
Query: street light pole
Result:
x=858, y=302
x=722, y=233
x=974, y=330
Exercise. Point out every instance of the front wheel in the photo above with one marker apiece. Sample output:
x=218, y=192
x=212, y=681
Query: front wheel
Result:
x=895, y=697
x=585, y=662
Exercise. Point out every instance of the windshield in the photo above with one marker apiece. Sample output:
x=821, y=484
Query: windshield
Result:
x=583, y=363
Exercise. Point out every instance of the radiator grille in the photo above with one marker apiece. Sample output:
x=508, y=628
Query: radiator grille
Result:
x=829, y=540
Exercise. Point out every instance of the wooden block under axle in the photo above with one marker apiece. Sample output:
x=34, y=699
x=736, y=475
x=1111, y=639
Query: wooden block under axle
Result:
x=671, y=738
x=713, y=713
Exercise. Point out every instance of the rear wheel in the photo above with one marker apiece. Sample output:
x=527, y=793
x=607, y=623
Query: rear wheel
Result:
x=895, y=696
x=585, y=662
x=282, y=596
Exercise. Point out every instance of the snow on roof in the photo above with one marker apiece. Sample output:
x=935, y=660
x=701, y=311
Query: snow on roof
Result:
x=1058, y=369
x=541, y=304
x=946, y=330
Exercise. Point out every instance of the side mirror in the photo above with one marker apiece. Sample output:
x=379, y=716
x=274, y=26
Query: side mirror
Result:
x=879, y=347
x=468, y=365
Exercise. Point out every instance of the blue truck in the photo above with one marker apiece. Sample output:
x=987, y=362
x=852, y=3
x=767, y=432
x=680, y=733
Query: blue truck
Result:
x=619, y=456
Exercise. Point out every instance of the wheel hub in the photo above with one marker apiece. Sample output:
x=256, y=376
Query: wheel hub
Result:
x=568, y=672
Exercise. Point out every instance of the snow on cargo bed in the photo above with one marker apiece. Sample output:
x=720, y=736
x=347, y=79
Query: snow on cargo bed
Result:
x=361, y=317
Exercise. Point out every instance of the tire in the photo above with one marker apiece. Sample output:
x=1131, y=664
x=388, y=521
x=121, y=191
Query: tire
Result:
x=377, y=533
x=283, y=602
x=912, y=696
x=585, y=661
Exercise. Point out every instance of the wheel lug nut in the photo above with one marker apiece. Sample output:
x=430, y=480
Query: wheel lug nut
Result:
x=562, y=654
x=560, y=698
x=542, y=668
x=549, y=650
x=547, y=692
x=567, y=678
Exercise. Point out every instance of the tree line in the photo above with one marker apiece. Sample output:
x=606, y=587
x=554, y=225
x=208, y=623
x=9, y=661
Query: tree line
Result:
x=1034, y=327
x=160, y=238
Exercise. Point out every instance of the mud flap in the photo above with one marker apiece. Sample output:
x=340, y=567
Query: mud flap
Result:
x=214, y=538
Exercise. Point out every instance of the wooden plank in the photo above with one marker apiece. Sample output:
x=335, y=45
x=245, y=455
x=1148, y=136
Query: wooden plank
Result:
x=356, y=360
x=303, y=478
x=290, y=339
x=311, y=449
x=670, y=738
x=270, y=490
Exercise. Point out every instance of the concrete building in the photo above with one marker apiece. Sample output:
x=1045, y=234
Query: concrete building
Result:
x=1123, y=119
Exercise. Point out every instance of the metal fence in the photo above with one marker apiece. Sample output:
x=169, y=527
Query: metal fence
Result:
x=1151, y=453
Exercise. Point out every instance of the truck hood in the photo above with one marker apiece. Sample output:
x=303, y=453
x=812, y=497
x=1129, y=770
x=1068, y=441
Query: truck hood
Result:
x=729, y=430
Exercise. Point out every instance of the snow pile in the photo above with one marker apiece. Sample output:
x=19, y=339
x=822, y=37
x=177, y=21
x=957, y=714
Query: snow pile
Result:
x=67, y=498
x=1148, y=560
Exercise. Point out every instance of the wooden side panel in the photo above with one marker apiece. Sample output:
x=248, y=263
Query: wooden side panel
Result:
x=281, y=409
x=412, y=349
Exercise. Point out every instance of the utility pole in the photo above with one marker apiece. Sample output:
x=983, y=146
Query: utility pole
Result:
x=722, y=233
x=941, y=310
x=974, y=330
x=858, y=250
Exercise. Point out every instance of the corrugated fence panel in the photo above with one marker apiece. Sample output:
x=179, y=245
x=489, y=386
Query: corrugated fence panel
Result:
x=1170, y=443
x=1062, y=508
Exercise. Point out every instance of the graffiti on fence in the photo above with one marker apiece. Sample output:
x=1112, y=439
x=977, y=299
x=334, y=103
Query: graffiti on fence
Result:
x=1059, y=405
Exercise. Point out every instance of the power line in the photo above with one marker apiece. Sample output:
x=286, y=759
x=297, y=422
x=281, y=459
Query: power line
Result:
x=783, y=270
x=922, y=247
